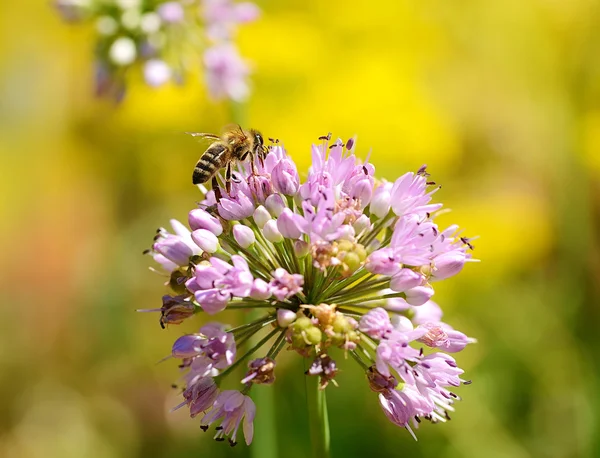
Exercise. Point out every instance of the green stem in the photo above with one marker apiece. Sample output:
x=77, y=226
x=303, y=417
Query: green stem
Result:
x=264, y=444
x=336, y=287
x=317, y=417
x=349, y=301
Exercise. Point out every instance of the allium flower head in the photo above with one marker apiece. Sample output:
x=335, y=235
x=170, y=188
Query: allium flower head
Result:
x=341, y=264
x=162, y=38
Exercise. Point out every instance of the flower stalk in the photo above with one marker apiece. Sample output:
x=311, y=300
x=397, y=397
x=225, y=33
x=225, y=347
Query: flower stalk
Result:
x=318, y=419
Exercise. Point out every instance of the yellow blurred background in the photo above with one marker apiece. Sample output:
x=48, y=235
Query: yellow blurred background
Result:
x=500, y=99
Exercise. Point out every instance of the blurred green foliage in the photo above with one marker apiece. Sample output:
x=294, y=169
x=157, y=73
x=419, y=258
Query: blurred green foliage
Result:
x=500, y=99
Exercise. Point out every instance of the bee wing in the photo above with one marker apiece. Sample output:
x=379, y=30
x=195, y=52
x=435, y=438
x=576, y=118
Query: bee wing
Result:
x=204, y=135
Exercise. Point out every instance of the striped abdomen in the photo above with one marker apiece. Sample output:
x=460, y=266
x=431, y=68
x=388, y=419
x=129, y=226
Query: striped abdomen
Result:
x=212, y=160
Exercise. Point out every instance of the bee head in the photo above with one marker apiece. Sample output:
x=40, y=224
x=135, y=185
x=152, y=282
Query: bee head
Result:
x=259, y=143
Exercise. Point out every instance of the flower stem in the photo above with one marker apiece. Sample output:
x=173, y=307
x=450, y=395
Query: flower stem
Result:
x=264, y=444
x=317, y=417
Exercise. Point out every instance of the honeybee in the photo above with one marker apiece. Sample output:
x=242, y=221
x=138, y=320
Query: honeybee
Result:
x=234, y=145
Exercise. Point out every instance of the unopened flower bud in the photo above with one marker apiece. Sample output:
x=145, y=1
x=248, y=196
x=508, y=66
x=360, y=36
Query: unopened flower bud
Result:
x=199, y=218
x=287, y=225
x=448, y=265
x=362, y=191
x=275, y=205
x=361, y=223
x=405, y=280
x=301, y=248
x=271, y=232
x=302, y=323
x=402, y=323
x=419, y=295
x=285, y=317
x=285, y=177
x=261, y=216
x=313, y=335
x=380, y=204
x=243, y=235
x=174, y=249
x=352, y=261
x=360, y=250
x=206, y=240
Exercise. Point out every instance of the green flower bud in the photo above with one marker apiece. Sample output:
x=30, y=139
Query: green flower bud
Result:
x=313, y=335
x=352, y=260
x=360, y=251
x=345, y=245
x=302, y=323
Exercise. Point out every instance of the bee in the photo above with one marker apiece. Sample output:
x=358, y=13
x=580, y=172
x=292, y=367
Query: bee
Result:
x=234, y=145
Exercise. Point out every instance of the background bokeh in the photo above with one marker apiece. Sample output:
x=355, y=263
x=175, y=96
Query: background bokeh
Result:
x=500, y=99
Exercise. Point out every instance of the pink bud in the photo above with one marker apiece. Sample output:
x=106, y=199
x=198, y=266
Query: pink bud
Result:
x=419, y=295
x=261, y=216
x=285, y=317
x=271, y=232
x=174, y=249
x=201, y=219
x=285, y=177
x=405, y=279
x=243, y=235
x=206, y=240
x=380, y=204
x=287, y=225
x=275, y=204
x=363, y=190
x=448, y=265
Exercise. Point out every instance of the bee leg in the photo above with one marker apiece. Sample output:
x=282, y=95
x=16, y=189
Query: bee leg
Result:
x=228, y=178
x=216, y=189
x=253, y=164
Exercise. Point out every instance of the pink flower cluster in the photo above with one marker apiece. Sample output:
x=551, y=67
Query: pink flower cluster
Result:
x=426, y=378
x=158, y=36
x=340, y=263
